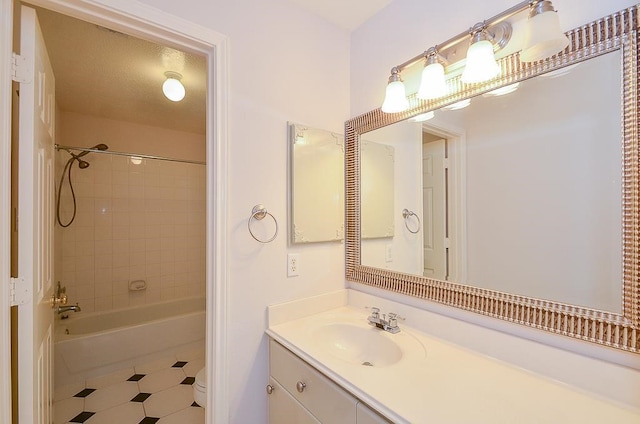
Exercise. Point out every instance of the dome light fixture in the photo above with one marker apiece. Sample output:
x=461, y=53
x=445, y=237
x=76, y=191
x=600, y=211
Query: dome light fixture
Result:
x=172, y=87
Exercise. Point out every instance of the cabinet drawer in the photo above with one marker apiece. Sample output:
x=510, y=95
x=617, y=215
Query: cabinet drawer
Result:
x=323, y=398
x=366, y=415
x=284, y=409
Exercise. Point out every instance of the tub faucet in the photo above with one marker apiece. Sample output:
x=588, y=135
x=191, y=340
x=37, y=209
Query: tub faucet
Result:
x=63, y=309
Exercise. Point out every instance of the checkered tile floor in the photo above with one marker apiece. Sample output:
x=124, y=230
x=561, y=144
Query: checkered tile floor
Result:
x=158, y=392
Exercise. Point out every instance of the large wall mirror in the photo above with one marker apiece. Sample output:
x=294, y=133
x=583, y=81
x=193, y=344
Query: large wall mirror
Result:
x=523, y=205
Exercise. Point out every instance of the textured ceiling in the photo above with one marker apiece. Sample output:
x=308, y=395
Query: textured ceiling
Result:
x=111, y=75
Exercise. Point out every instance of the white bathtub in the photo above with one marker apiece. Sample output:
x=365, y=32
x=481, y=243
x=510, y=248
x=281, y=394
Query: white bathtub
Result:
x=92, y=344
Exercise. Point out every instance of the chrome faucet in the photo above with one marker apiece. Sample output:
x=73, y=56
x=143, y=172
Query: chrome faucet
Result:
x=390, y=325
x=63, y=309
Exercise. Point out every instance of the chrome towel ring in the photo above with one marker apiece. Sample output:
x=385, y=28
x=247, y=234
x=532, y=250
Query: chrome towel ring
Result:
x=407, y=214
x=257, y=214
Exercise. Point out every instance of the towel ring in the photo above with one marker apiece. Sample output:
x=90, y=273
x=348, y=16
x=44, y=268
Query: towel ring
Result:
x=258, y=213
x=406, y=214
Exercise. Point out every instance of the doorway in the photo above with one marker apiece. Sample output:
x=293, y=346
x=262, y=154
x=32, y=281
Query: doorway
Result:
x=144, y=21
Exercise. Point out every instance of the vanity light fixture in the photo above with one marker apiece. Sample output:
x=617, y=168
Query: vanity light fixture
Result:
x=395, y=99
x=481, y=63
x=433, y=84
x=422, y=117
x=172, y=87
x=502, y=90
x=458, y=105
x=544, y=38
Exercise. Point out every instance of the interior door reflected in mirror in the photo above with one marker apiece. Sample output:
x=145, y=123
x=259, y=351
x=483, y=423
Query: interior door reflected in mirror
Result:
x=518, y=192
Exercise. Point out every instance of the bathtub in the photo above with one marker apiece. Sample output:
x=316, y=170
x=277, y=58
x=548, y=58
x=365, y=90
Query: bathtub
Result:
x=93, y=344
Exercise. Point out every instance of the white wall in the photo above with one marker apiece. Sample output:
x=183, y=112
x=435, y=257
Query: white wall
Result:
x=285, y=65
x=404, y=29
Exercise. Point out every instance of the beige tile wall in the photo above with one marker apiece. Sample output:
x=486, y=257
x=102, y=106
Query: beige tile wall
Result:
x=134, y=222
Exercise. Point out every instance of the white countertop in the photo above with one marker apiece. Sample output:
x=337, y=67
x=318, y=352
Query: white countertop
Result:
x=438, y=382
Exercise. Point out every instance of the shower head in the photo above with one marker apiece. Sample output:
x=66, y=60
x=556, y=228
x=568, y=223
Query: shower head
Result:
x=100, y=146
x=82, y=164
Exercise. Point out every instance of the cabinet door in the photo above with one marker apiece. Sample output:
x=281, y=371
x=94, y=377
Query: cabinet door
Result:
x=319, y=395
x=366, y=415
x=284, y=409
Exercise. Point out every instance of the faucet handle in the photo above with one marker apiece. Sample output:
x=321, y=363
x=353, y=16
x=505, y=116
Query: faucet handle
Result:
x=393, y=315
x=393, y=319
x=375, y=311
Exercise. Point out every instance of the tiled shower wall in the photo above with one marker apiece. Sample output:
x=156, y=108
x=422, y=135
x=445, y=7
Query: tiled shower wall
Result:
x=137, y=219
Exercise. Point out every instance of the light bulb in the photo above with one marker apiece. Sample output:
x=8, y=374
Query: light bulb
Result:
x=481, y=63
x=543, y=36
x=172, y=87
x=395, y=99
x=433, y=84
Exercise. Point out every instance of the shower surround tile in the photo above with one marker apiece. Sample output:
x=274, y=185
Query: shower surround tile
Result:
x=133, y=222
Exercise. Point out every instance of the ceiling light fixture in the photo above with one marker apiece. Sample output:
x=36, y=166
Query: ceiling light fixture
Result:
x=395, y=99
x=543, y=36
x=172, y=87
x=545, y=39
x=433, y=83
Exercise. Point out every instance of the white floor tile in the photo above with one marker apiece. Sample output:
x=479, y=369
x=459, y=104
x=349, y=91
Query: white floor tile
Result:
x=127, y=413
x=190, y=415
x=66, y=409
x=192, y=368
x=110, y=379
x=169, y=401
x=155, y=366
x=65, y=392
x=161, y=380
x=111, y=396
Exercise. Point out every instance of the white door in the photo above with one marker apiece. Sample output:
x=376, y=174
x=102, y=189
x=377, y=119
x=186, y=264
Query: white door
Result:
x=434, y=209
x=35, y=226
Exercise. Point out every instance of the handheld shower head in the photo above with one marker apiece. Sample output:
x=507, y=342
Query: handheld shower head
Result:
x=82, y=164
x=100, y=146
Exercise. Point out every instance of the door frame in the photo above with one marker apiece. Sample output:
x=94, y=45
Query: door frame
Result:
x=150, y=23
x=6, y=40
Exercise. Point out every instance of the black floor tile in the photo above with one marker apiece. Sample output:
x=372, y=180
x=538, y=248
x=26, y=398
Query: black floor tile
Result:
x=84, y=393
x=141, y=397
x=82, y=417
x=149, y=420
x=188, y=380
x=179, y=364
x=196, y=404
x=136, y=377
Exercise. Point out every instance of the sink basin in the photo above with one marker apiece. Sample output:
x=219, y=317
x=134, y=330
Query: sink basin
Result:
x=358, y=345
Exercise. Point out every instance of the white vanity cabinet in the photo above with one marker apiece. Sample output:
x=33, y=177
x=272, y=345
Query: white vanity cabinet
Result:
x=301, y=394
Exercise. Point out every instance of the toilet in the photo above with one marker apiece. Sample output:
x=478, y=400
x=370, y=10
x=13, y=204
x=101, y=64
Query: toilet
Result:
x=200, y=388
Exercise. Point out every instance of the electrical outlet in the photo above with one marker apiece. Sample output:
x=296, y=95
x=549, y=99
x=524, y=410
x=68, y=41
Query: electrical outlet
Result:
x=388, y=253
x=293, y=264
